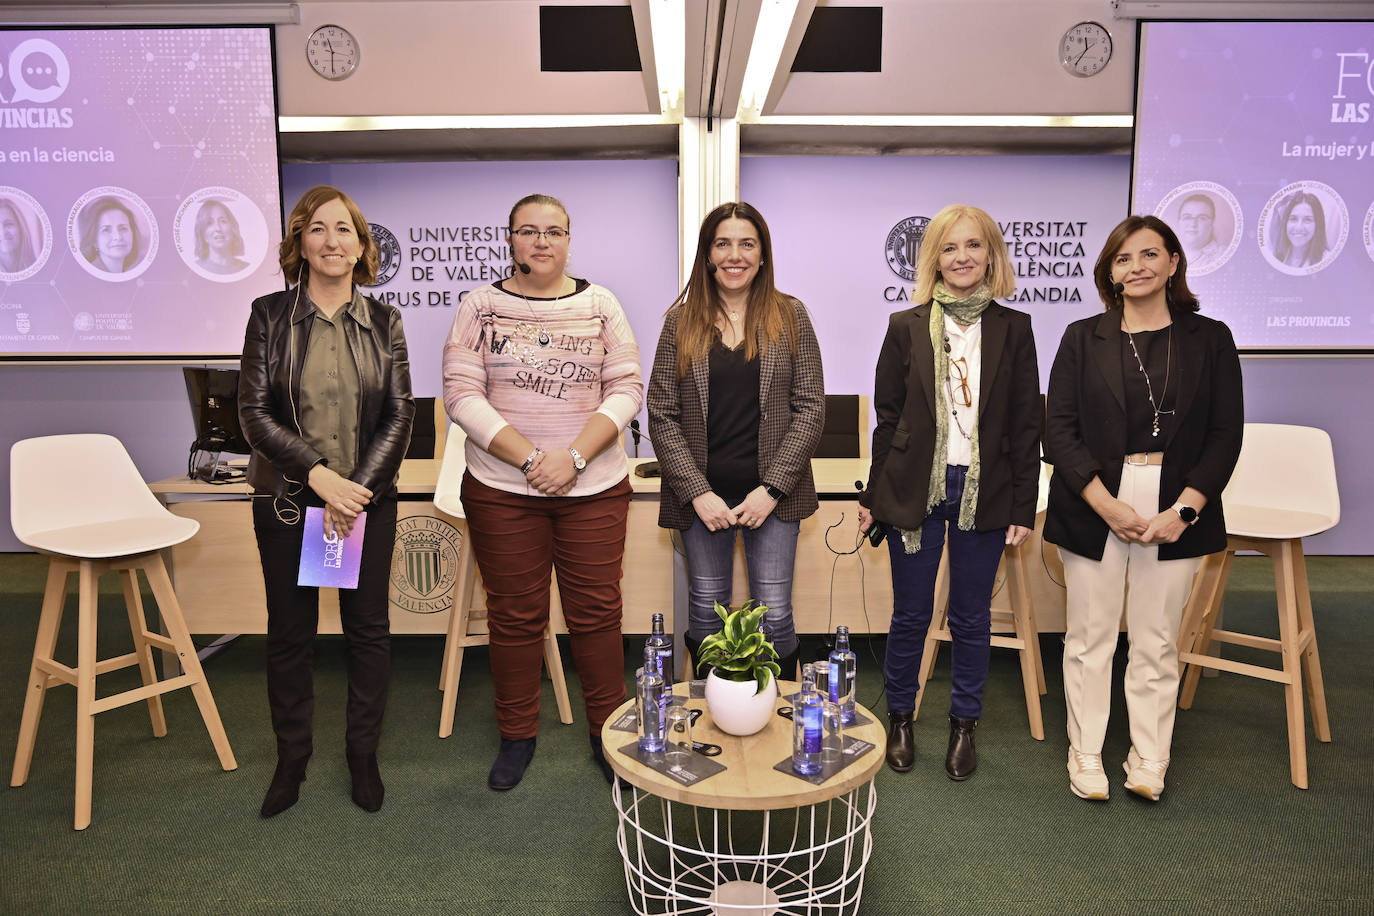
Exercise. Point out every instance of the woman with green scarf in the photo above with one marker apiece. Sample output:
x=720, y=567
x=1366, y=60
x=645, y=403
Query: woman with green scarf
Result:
x=957, y=396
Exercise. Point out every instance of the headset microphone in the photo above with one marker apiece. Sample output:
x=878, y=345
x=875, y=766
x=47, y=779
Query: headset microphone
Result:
x=524, y=268
x=352, y=260
x=1118, y=288
x=710, y=267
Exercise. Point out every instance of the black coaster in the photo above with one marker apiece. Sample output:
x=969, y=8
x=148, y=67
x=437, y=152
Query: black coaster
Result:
x=697, y=767
x=629, y=721
x=859, y=718
x=854, y=748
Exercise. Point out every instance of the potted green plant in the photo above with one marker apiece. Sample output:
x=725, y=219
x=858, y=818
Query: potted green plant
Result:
x=742, y=687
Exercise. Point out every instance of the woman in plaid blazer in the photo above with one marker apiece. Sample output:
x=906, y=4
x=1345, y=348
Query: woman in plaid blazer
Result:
x=736, y=405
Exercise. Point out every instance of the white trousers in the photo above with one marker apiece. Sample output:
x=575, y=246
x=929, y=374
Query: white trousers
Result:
x=1152, y=593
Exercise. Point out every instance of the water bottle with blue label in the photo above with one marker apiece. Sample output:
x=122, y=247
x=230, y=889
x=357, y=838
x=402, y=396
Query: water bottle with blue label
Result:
x=650, y=697
x=806, y=725
x=842, y=675
x=662, y=643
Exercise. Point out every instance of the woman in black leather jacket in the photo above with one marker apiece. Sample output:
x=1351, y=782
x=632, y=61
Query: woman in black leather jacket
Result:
x=324, y=399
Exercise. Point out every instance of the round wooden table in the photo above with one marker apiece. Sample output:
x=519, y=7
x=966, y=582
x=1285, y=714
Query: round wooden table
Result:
x=750, y=839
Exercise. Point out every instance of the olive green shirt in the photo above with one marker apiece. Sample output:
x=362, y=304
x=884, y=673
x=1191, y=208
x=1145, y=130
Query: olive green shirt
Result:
x=329, y=389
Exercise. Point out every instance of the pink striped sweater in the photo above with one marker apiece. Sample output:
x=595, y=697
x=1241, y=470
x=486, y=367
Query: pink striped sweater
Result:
x=542, y=366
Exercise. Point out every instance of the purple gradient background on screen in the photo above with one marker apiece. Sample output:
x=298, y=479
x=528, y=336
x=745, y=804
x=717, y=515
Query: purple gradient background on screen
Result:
x=180, y=111
x=831, y=220
x=1223, y=103
x=624, y=236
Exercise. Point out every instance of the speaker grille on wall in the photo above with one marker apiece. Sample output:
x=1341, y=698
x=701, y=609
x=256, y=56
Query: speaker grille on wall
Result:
x=842, y=39
x=579, y=39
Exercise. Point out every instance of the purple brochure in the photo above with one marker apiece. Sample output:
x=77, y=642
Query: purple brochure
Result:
x=331, y=562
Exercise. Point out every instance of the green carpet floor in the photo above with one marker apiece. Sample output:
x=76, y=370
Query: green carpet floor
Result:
x=174, y=833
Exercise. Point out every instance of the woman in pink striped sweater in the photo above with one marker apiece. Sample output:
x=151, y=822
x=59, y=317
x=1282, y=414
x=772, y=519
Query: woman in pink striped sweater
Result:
x=542, y=372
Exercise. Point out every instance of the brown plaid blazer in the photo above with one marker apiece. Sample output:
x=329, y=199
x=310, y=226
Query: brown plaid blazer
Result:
x=792, y=414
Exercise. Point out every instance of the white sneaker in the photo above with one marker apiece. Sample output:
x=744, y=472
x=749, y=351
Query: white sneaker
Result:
x=1144, y=777
x=1086, y=776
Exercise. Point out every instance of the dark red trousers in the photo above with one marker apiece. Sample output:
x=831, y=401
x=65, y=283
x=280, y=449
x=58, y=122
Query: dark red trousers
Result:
x=518, y=540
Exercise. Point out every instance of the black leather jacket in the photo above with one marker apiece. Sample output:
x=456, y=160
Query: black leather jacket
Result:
x=270, y=384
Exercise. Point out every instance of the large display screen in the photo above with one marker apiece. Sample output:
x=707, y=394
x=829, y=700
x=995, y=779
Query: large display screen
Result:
x=1253, y=141
x=140, y=204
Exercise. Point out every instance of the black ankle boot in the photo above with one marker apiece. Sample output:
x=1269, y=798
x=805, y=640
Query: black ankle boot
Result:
x=368, y=790
x=510, y=764
x=787, y=664
x=689, y=671
x=599, y=756
x=901, y=746
x=285, y=788
x=961, y=761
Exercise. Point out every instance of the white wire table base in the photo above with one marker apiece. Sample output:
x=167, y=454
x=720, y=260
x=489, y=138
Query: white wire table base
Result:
x=681, y=859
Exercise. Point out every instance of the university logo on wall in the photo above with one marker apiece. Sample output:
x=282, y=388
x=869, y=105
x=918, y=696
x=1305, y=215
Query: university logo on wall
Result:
x=424, y=564
x=904, y=244
x=388, y=253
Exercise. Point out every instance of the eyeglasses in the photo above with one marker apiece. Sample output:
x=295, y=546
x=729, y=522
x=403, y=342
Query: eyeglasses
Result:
x=554, y=235
x=959, y=369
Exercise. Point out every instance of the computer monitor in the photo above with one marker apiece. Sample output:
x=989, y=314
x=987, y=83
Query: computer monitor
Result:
x=214, y=397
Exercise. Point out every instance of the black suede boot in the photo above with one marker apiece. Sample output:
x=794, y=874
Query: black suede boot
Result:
x=787, y=664
x=368, y=790
x=689, y=671
x=961, y=761
x=599, y=755
x=510, y=764
x=901, y=746
x=285, y=788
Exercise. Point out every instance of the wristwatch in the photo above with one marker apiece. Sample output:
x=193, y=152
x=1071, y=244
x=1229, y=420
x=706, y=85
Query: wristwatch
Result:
x=774, y=493
x=578, y=461
x=1187, y=513
x=529, y=462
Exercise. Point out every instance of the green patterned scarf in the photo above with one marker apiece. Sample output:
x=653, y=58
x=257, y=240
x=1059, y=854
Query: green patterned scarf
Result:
x=966, y=311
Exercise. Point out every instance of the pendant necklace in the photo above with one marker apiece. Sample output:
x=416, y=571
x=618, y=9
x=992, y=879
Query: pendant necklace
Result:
x=1149, y=388
x=532, y=334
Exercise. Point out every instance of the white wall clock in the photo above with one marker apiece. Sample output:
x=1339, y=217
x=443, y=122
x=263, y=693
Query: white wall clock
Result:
x=1085, y=49
x=333, y=52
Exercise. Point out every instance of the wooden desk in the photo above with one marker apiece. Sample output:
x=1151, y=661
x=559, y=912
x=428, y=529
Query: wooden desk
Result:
x=751, y=837
x=219, y=579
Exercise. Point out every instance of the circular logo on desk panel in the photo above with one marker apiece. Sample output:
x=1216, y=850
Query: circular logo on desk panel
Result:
x=388, y=253
x=424, y=564
x=904, y=244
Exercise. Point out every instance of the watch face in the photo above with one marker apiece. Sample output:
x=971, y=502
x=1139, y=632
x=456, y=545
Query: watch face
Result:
x=333, y=52
x=1085, y=49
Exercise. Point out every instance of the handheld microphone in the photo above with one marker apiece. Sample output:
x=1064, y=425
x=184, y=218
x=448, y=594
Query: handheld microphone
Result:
x=1118, y=288
x=875, y=533
x=524, y=268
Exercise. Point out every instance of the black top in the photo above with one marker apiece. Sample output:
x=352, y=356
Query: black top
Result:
x=732, y=423
x=1154, y=347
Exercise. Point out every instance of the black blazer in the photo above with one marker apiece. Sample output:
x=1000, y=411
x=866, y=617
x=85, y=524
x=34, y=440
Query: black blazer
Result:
x=270, y=384
x=1086, y=430
x=1009, y=415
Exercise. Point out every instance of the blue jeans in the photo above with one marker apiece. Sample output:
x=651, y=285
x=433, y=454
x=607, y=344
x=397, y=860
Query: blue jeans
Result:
x=770, y=552
x=973, y=560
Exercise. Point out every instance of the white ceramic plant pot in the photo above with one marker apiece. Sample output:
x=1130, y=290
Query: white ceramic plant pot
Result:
x=734, y=706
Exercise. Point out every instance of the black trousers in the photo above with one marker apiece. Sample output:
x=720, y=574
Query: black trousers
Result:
x=293, y=614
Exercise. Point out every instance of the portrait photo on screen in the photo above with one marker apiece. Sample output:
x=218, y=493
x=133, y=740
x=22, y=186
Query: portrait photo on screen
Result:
x=220, y=234
x=1208, y=221
x=25, y=235
x=1303, y=228
x=112, y=234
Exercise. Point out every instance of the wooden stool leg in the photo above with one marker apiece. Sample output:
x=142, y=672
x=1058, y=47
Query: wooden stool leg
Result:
x=1020, y=602
x=175, y=623
x=1292, y=662
x=459, y=609
x=553, y=661
x=138, y=626
x=1311, y=662
x=1210, y=609
x=939, y=620
x=85, y=692
x=49, y=621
